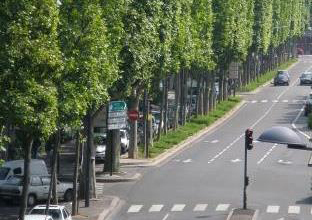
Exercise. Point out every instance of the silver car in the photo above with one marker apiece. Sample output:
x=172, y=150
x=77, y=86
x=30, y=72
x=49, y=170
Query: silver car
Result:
x=38, y=189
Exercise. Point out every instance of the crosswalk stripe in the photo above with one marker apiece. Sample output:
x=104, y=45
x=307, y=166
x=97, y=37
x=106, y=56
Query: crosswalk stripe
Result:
x=178, y=207
x=156, y=208
x=222, y=207
x=200, y=207
x=264, y=101
x=135, y=208
x=254, y=101
x=293, y=209
x=285, y=100
x=275, y=101
x=272, y=209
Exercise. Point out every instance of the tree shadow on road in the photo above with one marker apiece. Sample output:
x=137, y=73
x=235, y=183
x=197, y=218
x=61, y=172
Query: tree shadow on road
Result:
x=305, y=201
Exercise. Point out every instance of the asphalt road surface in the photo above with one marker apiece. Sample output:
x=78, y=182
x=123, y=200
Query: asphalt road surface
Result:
x=205, y=181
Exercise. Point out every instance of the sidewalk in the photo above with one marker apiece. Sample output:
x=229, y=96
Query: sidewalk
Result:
x=99, y=208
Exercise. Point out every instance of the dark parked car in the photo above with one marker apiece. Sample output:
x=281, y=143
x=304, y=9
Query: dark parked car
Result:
x=308, y=105
x=306, y=78
x=282, y=78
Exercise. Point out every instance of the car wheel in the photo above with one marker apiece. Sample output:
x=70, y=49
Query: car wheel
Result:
x=31, y=200
x=69, y=195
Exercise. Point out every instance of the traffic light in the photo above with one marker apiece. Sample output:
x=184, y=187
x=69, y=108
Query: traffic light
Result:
x=248, y=139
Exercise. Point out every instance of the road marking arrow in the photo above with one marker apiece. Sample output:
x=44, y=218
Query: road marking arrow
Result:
x=236, y=160
x=284, y=162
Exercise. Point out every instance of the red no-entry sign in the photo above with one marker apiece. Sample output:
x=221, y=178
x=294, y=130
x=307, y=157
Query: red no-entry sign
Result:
x=133, y=115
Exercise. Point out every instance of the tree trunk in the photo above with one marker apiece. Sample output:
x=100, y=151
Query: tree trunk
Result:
x=161, y=119
x=54, y=164
x=133, y=148
x=90, y=158
x=206, y=94
x=26, y=178
x=177, y=107
x=112, y=153
x=166, y=85
x=75, y=203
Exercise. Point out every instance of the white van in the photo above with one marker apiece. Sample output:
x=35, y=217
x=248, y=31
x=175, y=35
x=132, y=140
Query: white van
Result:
x=16, y=167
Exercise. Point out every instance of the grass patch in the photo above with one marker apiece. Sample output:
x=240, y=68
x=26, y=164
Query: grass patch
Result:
x=190, y=128
x=266, y=77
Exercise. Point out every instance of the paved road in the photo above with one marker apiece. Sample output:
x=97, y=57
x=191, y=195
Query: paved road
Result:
x=205, y=181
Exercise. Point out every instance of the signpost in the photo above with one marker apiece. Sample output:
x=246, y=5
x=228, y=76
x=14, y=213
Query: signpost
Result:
x=116, y=120
x=117, y=115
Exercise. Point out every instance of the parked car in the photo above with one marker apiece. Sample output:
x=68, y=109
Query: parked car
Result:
x=100, y=141
x=306, y=78
x=58, y=212
x=16, y=167
x=308, y=105
x=282, y=78
x=124, y=141
x=38, y=217
x=38, y=189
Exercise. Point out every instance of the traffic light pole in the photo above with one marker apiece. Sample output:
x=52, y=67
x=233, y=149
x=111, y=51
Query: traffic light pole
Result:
x=245, y=179
x=248, y=146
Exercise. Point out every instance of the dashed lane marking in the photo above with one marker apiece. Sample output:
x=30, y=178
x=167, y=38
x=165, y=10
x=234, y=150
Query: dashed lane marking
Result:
x=156, y=208
x=135, y=208
x=200, y=207
x=222, y=207
x=178, y=208
x=272, y=209
x=293, y=209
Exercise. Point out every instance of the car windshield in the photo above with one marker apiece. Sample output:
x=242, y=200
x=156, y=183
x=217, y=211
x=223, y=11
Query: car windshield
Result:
x=100, y=140
x=55, y=213
x=4, y=172
x=306, y=75
x=15, y=180
x=122, y=134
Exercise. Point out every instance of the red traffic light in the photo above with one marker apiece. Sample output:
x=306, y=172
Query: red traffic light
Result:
x=248, y=138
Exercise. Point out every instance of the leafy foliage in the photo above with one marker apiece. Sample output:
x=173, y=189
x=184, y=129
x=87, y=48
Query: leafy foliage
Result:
x=29, y=64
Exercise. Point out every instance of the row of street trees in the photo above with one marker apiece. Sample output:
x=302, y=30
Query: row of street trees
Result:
x=62, y=61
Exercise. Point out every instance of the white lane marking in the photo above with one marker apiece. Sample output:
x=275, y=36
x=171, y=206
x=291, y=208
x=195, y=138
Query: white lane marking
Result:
x=267, y=154
x=236, y=160
x=284, y=162
x=178, y=208
x=225, y=149
x=222, y=207
x=254, y=101
x=200, y=207
x=261, y=118
x=166, y=216
x=214, y=141
x=293, y=209
x=275, y=101
x=156, y=208
x=293, y=124
x=285, y=100
x=263, y=101
x=187, y=161
x=272, y=209
x=135, y=208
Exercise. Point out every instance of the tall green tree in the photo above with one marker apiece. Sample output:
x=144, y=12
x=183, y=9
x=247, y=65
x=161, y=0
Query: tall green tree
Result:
x=29, y=64
x=90, y=69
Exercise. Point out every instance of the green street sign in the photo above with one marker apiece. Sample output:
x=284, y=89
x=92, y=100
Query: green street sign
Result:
x=117, y=106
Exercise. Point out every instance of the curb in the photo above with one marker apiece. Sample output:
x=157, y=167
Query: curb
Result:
x=254, y=216
x=135, y=177
x=181, y=146
x=115, y=202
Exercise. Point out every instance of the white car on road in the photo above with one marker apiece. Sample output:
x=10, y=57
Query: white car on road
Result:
x=57, y=212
